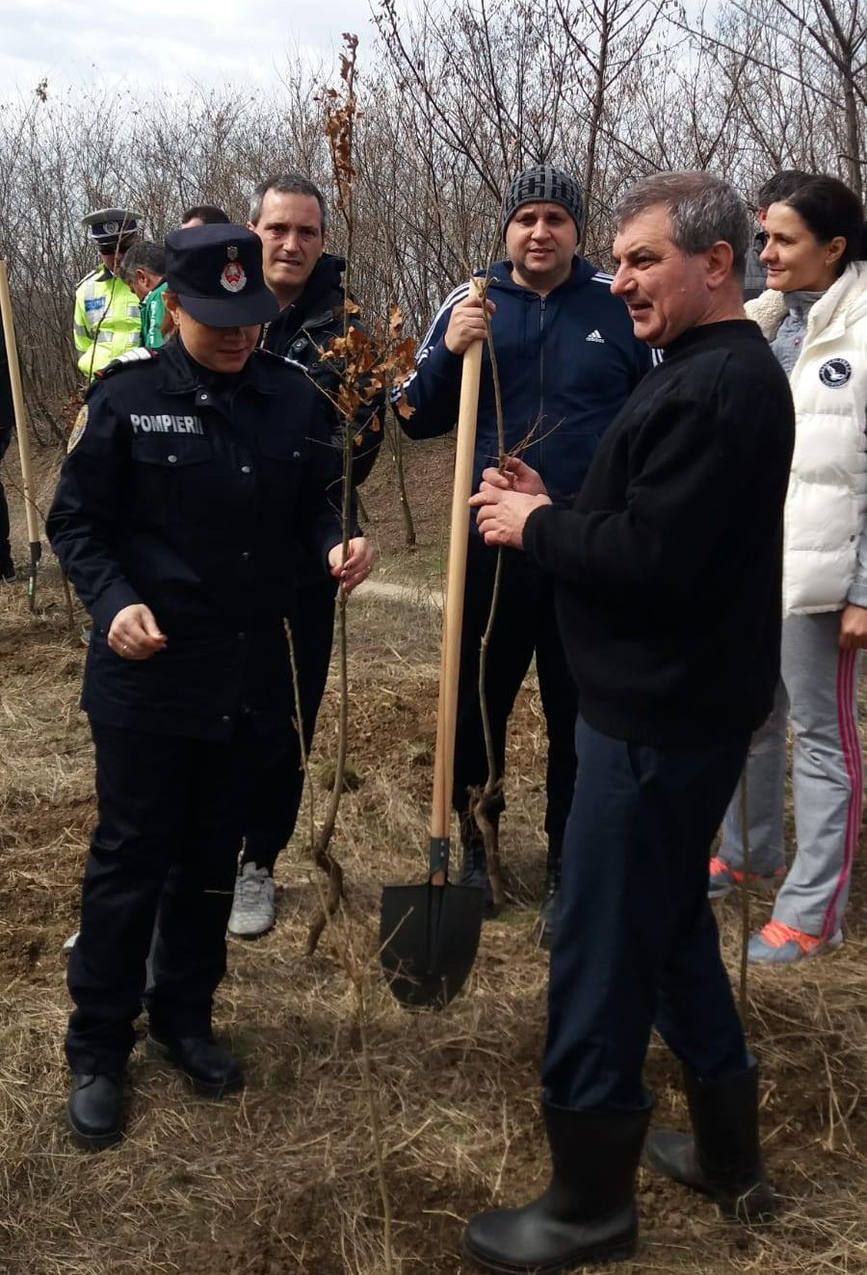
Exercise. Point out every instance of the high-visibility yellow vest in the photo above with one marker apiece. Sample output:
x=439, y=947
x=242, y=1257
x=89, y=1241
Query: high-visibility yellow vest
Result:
x=107, y=320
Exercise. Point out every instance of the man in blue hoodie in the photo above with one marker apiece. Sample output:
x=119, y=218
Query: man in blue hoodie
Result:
x=567, y=361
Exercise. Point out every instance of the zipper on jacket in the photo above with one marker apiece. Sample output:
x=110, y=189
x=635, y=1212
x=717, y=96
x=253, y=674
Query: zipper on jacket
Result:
x=542, y=303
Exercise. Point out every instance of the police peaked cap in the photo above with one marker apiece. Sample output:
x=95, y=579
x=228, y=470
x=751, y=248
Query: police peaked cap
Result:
x=216, y=272
x=108, y=225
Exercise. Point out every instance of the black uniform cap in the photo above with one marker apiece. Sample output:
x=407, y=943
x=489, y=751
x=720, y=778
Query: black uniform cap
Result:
x=216, y=272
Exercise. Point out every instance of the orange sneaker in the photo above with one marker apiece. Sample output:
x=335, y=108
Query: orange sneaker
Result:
x=780, y=944
x=723, y=878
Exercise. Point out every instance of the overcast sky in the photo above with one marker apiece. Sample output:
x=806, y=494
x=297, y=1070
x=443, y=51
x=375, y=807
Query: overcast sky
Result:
x=166, y=43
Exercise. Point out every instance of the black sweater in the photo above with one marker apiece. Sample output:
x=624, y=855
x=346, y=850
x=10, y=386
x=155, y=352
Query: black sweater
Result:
x=668, y=564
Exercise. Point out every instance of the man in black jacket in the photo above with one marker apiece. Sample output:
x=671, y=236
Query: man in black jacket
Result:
x=668, y=576
x=288, y=214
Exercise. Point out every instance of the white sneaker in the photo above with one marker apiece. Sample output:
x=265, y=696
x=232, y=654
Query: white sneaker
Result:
x=70, y=943
x=253, y=908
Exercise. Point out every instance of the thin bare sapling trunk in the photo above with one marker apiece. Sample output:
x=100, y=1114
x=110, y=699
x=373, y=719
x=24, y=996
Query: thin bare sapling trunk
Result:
x=366, y=363
x=485, y=801
x=353, y=358
x=339, y=126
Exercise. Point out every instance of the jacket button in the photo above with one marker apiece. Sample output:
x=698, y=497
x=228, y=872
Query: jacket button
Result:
x=226, y=719
x=171, y=459
x=296, y=455
x=245, y=557
x=241, y=637
x=203, y=398
x=245, y=469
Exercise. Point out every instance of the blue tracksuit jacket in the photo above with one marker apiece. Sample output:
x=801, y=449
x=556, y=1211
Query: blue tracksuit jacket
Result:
x=567, y=363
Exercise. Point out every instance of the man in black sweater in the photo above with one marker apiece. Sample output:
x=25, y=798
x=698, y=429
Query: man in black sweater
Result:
x=668, y=574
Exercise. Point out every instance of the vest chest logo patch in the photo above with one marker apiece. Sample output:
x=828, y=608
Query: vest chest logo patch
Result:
x=835, y=373
x=93, y=303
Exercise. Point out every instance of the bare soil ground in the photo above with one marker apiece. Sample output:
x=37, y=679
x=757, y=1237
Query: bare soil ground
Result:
x=283, y=1178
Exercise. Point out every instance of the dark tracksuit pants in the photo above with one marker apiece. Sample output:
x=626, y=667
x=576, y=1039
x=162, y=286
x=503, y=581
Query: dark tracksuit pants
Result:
x=276, y=778
x=636, y=944
x=525, y=624
x=166, y=841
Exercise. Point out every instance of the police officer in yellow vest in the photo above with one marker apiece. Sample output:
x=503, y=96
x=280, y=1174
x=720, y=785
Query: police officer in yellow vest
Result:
x=107, y=319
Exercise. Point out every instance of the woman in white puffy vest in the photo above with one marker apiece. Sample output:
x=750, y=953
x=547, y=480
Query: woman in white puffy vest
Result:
x=815, y=316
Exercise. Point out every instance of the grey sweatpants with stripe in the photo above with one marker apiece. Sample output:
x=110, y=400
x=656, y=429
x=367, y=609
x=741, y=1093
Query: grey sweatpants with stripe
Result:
x=817, y=695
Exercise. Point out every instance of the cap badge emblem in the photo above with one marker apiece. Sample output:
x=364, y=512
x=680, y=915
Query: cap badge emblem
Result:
x=233, y=278
x=110, y=228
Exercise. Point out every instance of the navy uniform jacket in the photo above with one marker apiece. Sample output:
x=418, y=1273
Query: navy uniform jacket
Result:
x=567, y=363
x=193, y=493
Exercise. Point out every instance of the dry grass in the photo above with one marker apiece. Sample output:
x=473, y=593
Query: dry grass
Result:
x=283, y=1179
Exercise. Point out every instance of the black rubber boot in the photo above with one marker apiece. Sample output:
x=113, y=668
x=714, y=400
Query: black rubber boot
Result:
x=543, y=931
x=474, y=867
x=588, y=1212
x=722, y=1157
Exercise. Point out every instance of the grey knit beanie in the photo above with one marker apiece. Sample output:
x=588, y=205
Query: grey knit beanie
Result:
x=544, y=183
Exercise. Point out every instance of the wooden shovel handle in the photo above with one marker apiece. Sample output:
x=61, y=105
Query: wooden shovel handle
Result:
x=18, y=405
x=453, y=609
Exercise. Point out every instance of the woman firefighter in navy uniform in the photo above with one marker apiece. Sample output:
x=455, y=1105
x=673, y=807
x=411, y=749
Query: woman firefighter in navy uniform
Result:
x=193, y=479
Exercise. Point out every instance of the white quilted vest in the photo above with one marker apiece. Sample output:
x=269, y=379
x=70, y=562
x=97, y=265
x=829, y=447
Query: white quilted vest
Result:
x=826, y=502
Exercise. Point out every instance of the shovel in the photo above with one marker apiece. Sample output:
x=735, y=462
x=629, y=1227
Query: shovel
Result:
x=429, y=933
x=23, y=436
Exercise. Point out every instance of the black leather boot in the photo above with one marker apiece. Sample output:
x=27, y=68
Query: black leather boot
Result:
x=543, y=931
x=722, y=1157
x=587, y=1213
x=94, y=1110
x=474, y=867
x=207, y=1065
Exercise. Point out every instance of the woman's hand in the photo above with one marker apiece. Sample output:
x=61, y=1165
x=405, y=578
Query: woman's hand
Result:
x=853, y=628
x=134, y=633
x=360, y=558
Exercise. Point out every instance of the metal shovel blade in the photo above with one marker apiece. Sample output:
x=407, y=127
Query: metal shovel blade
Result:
x=429, y=936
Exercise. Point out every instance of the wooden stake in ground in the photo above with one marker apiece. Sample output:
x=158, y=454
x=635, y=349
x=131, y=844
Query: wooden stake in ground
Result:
x=21, y=430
